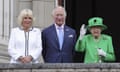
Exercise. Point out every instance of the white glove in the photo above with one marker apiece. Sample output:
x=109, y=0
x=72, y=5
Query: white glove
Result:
x=101, y=52
x=82, y=31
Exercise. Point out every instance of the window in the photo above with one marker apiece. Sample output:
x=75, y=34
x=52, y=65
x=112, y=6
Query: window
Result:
x=60, y=2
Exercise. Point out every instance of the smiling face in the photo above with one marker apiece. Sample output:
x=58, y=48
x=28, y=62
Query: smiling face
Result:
x=27, y=22
x=26, y=19
x=96, y=31
x=59, y=16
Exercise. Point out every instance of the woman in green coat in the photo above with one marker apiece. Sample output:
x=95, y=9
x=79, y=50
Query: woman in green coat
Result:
x=97, y=47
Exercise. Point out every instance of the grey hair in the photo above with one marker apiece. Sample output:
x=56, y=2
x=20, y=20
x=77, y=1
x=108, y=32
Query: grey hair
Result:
x=53, y=12
x=23, y=13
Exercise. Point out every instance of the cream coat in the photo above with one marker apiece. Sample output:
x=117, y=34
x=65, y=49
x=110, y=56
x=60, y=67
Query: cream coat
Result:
x=16, y=47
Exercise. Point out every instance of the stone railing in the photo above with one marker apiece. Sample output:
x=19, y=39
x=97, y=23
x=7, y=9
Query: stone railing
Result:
x=4, y=56
x=61, y=67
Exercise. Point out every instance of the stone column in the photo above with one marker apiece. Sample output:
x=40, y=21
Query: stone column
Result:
x=42, y=10
x=18, y=6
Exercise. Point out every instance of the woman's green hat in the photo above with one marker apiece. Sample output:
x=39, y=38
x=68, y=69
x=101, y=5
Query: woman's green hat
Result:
x=96, y=21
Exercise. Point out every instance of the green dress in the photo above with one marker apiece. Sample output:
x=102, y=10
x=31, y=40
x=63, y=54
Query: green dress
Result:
x=90, y=46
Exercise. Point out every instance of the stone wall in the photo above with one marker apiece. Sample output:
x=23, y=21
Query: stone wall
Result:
x=42, y=11
x=61, y=67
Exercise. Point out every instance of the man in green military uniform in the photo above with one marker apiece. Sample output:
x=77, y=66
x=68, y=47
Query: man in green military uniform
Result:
x=97, y=47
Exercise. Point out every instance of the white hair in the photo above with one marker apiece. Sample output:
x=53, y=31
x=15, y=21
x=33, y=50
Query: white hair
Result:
x=23, y=13
x=60, y=7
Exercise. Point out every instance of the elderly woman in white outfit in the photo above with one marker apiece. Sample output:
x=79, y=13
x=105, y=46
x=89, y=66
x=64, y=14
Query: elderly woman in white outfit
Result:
x=25, y=41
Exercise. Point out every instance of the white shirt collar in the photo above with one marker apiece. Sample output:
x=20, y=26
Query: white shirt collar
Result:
x=62, y=26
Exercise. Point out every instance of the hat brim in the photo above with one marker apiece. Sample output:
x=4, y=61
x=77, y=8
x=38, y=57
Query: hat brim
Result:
x=103, y=26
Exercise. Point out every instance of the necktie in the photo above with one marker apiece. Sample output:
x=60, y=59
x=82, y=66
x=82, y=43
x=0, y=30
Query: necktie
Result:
x=60, y=37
